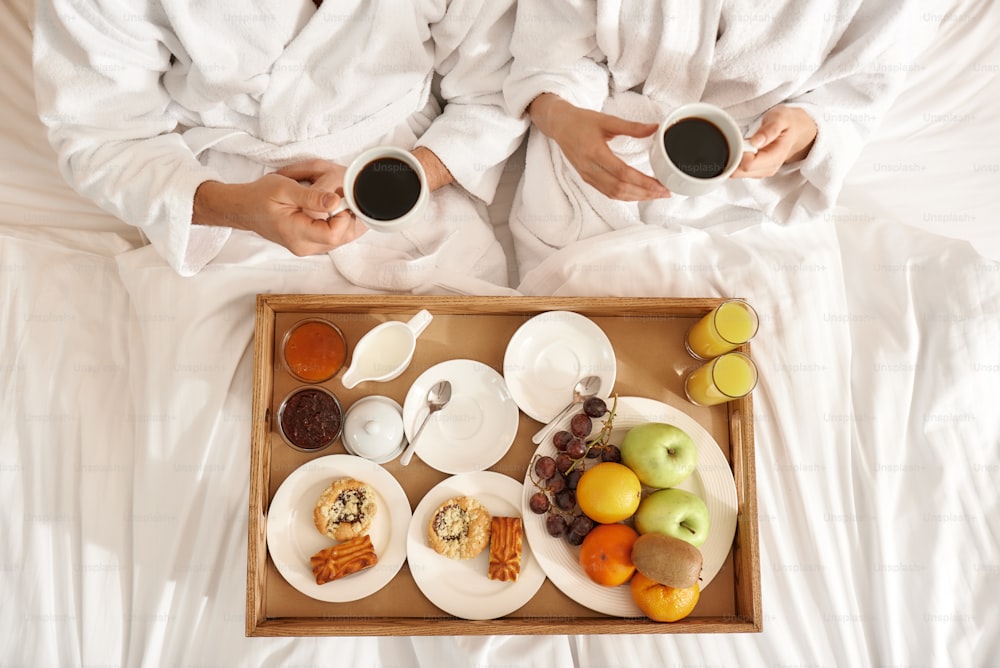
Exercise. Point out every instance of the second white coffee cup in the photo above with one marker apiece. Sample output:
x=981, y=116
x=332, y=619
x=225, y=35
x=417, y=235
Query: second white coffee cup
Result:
x=386, y=189
x=697, y=148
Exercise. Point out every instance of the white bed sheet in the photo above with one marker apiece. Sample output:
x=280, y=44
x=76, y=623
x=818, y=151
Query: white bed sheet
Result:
x=125, y=393
x=935, y=162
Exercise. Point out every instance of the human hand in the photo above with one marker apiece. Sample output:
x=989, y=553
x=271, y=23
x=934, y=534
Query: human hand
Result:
x=786, y=134
x=275, y=206
x=583, y=136
x=320, y=174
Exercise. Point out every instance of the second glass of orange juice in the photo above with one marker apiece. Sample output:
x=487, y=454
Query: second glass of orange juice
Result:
x=722, y=379
x=728, y=326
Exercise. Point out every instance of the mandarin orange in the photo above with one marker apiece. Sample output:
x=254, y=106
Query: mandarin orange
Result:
x=606, y=554
x=662, y=603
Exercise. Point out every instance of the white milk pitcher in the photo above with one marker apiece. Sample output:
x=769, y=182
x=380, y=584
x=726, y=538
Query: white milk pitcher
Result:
x=386, y=350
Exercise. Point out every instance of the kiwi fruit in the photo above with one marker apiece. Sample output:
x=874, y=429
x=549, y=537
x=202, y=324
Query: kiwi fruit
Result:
x=667, y=560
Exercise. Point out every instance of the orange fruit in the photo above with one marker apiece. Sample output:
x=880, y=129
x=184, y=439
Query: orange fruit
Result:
x=608, y=492
x=662, y=603
x=606, y=554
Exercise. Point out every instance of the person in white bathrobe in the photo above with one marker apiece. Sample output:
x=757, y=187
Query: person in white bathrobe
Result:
x=189, y=120
x=806, y=81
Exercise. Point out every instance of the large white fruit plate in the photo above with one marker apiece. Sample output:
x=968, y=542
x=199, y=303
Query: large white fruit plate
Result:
x=712, y=480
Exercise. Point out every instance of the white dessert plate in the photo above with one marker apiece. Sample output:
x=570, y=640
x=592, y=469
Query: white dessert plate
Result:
x=548, y=354
x=712, y=480
x=461, y=587
x=477, y=426
x=292, y=537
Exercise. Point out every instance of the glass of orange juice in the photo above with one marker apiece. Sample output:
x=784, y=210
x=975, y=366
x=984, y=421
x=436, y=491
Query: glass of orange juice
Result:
x=727, y=327
x=727, y=377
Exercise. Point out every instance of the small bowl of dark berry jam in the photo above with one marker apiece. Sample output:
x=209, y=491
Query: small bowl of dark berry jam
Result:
x=310, y=418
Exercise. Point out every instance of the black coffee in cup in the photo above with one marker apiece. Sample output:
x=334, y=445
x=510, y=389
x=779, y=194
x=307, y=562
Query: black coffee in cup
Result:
x=698, y=147
x=386, y=189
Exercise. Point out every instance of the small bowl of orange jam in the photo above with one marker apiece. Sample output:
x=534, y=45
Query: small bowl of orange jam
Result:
x=314, y=350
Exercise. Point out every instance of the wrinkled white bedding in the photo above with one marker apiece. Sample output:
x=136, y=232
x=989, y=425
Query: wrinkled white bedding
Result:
x=125, y=394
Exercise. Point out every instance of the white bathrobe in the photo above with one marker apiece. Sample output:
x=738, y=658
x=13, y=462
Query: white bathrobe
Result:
x=146, y=100
x=639, y=59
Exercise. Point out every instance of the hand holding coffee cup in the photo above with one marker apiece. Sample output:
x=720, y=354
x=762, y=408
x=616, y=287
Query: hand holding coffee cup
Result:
x=784, y=134
x=385, y=188
x=697, y=148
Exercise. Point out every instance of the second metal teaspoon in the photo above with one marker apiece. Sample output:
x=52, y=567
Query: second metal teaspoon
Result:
x=586, y=388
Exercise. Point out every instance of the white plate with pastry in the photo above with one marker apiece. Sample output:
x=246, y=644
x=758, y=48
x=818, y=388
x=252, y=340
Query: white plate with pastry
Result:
x=548, y=354
x=474, y=429
x=462, y=587
x=293, y=537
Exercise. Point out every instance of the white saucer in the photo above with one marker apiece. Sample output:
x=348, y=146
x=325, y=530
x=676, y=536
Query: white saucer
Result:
x=474, y=430
x=461, y=587
x=548, y=354
x=292, y=537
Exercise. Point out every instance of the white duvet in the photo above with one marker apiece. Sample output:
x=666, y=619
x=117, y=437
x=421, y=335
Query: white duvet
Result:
x=125, y=395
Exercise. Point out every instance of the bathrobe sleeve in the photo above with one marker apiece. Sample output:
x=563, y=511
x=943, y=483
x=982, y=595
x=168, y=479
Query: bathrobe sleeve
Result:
x=850, y=93
x=98, y=68
x=555, y=51
x=474, y=135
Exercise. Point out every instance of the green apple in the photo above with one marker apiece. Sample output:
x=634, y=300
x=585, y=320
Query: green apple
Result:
x=662, y=455
x=674, y=512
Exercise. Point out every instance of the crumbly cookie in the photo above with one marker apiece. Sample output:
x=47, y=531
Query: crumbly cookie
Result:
x=459, y=528
x=345, y=509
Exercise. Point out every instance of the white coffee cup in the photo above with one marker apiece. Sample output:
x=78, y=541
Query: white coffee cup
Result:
x=385, y=187
x=703, y=156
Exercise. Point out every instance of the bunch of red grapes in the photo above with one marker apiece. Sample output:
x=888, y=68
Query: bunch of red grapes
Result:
x=556, y=477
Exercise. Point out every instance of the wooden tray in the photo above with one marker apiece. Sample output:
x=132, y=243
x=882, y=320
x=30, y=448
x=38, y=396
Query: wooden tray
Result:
x=647, y=335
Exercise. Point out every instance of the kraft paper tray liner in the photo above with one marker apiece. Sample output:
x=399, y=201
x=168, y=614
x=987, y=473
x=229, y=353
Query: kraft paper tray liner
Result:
x=651, y=362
